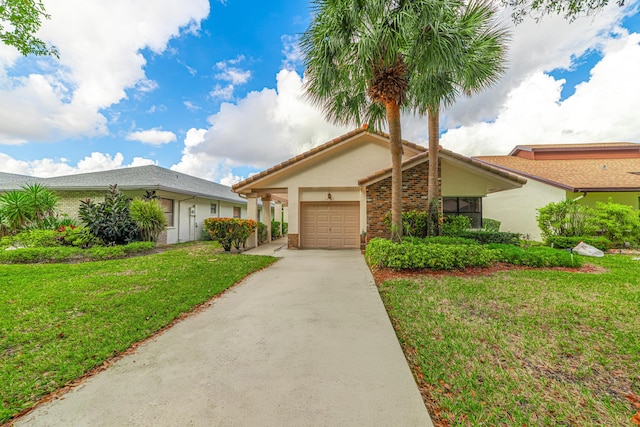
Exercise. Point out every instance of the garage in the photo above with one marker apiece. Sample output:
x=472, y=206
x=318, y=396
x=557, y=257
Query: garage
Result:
x=333, y=225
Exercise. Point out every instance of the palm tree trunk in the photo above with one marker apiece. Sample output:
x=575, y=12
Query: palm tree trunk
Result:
x=395, y=140
x=433, y=191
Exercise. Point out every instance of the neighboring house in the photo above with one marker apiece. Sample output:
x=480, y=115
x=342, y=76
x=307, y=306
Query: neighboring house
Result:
x=339, y=193
x=556, y=172
x=186, y=200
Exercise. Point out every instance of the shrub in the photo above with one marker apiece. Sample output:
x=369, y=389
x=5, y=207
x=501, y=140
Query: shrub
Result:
x=565, y=218
x=410, y=255
x=285, y=228
x=536, y=256
x=562, y=242
x=489, y=224
x=36, y=255
x=230, y=232
x=443, y=240
x=34, y=238
x=28, y=207
x=109, y=220
x=414, y=223
x=80, y=237
x=262, y=233
x=275, y=230
x=149, y=217
x=618, y=223
x=486, y=237
x=455, y=225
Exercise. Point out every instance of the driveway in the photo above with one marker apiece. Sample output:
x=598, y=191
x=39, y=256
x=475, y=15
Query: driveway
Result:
x=305, y=342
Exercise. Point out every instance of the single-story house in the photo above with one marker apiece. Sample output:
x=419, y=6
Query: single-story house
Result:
x=556, y=172
x=186, y=200
x=339, y=193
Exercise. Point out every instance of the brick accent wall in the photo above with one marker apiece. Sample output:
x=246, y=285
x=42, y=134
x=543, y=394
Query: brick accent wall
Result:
x=414, y=197
x=292, y=241
x=70, y=201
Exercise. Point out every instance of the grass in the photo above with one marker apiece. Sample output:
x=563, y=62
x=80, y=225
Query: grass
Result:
x=59, y=321
x=532, y=347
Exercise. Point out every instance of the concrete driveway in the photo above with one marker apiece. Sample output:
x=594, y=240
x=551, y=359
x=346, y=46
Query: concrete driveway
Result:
x=305, y=342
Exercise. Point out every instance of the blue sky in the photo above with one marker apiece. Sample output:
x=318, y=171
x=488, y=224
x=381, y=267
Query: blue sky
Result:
x=214, y=89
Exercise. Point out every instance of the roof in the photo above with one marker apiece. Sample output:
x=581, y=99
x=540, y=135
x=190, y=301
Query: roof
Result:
x=327, y=145
x=424, y=156
x=577, y=175
x=6, y=178
x=597, y=150
x=150, y=177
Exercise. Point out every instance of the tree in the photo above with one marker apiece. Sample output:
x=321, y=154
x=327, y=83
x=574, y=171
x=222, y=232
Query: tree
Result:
x=485, y=44
x=19, y=22
x=368, y=60
x=570, y=9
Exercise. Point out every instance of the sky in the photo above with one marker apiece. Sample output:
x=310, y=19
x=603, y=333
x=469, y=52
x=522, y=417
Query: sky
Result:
x=214, y=89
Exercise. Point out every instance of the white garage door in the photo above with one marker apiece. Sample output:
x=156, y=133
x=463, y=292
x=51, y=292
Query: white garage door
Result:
x=330, y=225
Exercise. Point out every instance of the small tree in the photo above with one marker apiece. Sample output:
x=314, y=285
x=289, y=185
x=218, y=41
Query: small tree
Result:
x=566, y=218
x=149, y=218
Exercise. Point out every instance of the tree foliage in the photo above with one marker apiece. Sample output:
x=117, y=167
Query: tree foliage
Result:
x=149, y=217
x=19, y=23
x=569, y=9
x=109, y=220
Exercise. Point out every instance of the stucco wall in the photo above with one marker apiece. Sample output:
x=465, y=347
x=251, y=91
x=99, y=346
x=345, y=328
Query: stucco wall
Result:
x=626, y=198
x=516, y=209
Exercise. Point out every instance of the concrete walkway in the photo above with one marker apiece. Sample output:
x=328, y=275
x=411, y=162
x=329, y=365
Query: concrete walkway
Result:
x=305, y=342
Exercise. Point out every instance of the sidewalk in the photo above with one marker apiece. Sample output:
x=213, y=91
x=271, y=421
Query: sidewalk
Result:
x=305, y=342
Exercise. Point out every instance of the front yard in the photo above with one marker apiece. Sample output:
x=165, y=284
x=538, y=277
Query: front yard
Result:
x=524, y=347
x=60, y=321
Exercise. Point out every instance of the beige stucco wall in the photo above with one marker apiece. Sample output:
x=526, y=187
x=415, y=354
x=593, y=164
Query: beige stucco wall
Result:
x=461, y=180
x=516, y=209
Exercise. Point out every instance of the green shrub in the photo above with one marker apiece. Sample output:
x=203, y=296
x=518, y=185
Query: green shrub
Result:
x=35, y=238
x=149, y=217
x=565, y=218
x=410, y=255
x=618, y=223
x=275, y=230
x=414, y=223
x=562, y=242
x=37, y=255
x=489, y=224
x=230, y=232
x=262, y=233
x=443, y=240
x=285, y=228
x=110, y=220
x=455, y=225
x=536, y=256
x=486, y=237
x=79, y=236
x=110, y=252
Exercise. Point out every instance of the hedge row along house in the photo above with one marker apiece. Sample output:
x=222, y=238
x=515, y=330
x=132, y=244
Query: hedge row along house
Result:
x=590, y=173
x=339, y=193
x=186, y=200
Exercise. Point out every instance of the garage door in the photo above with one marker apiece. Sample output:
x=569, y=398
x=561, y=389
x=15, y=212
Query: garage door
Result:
x=330, y=225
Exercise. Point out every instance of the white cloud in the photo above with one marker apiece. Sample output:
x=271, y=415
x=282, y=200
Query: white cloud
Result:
x=152, y=136
x=191, y=106
x=604, y=108
x=291, y=51
x=223, y=93
x=262, y=129
x=99, y=44
x=45, y=168
x=234, y=75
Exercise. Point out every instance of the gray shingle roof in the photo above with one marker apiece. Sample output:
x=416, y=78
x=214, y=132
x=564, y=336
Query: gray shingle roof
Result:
x=149, y=177
x=7, y=178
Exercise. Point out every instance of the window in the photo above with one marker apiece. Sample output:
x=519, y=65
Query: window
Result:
x=237, y=212
x=167, y=207
x=214, y=208
x=467, y=206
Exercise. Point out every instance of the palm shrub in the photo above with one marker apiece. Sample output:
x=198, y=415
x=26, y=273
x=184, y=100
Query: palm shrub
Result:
x=16, y=210
x=34, y=206
x=109, y=220
x=149, y=218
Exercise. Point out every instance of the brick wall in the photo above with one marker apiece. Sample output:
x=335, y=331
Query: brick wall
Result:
x=70, y=201
x=414, y=197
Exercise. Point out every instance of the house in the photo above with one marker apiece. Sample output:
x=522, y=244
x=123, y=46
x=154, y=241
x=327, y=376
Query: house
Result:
x=339, y=193
x=186, y=200
x=556, y=172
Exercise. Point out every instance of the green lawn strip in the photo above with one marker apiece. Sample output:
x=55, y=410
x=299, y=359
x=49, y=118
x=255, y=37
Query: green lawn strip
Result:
x=533, y=347
x=59, y=321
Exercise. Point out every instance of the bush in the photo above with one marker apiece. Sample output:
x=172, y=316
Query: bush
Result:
x=33, y=238
x=414, y=223
x=149, y=217
x=618, y=223
x=80, y=237
x=536, y=256
x=230, y=232
x=443, y=240
x=486, y=237
x=275, y=230
x=489, y=224
x=37, y=255
x=455, y=225
x=262, y=233
x=109, y=220
x=562, y=242
x=285, y=228
x=566, y=218
x=410, y=255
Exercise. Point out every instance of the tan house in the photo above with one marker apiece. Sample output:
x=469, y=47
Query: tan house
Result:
x=556, y=172
x=338, y=193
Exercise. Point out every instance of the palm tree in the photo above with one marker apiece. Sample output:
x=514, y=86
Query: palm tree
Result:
x=484, y=42
x=366, y=60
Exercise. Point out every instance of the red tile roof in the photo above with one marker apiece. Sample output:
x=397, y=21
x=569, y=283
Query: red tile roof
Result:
x=316, y=150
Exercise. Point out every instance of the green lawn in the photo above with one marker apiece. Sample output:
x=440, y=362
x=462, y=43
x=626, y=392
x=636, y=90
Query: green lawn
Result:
x=58, y=321
x=535, y=348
